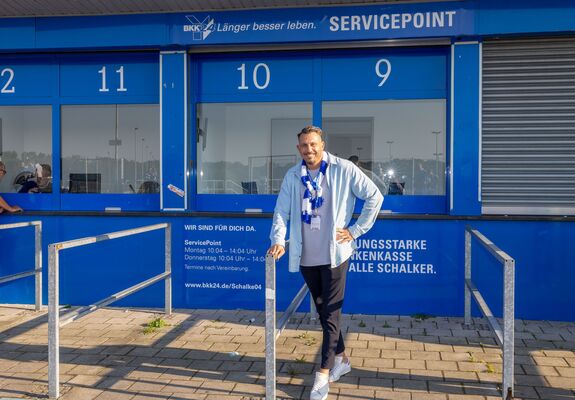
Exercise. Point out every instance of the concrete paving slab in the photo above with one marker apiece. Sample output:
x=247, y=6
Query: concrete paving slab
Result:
x=219, y=354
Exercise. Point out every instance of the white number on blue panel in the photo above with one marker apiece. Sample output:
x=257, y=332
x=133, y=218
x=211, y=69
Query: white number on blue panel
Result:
x=104, y=87
x=8, y=86
x=260, y=76
x=383, y=72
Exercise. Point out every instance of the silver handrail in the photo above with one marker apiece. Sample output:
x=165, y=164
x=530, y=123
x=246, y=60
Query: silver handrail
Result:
x=37, y=271
x=54, y=323
x=506, y=337
x=273, y=330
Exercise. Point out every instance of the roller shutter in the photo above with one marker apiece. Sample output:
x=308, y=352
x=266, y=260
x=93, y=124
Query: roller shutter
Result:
x=528, y=126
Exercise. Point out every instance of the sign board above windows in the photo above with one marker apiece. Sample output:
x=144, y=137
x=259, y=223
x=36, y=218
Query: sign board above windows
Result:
x=94, y=78
x=26, y=77
x=110, y=76
x=385, y=73
x=324, y=24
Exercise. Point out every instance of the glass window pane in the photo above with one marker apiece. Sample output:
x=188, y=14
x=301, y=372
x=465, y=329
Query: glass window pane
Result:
x=25, y=148
x=111, y=148
x=400, y=145
x=246, y=148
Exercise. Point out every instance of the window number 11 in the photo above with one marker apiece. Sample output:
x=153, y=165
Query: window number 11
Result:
x=119, y=71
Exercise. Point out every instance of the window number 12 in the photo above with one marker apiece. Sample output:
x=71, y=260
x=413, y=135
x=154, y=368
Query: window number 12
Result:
x=6, y=88
x=119, y=71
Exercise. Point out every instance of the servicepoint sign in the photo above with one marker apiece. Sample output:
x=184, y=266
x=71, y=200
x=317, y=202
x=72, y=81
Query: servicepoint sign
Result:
x=324, y=24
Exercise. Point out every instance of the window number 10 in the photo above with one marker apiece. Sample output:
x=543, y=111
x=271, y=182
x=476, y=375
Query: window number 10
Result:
x=380, y=73
x=256, y=82
x=119, y=71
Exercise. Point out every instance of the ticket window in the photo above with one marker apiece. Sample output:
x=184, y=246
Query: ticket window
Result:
x=398, y=144
x=109, y=132
x=80, y=131
x=386, y=111
x=110, y=148
x=25, y=147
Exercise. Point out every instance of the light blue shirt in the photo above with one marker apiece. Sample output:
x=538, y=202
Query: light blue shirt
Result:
x=346, y=183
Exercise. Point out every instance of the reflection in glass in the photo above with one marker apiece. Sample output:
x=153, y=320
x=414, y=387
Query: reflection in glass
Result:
x=246, y=148
x=400, y=145
x=111, y=148
x=26, y=145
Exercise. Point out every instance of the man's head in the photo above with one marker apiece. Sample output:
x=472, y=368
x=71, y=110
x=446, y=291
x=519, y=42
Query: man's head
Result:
x=43, y=175
x=311, y=146
x=2, y=170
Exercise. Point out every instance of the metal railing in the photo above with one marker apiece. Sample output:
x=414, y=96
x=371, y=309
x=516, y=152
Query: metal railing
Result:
x=54, y=323
x=506, y=337
x=273, y=330
x=37, y=271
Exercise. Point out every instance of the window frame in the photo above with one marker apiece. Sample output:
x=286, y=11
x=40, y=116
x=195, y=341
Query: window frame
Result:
x=55, y=64
x=406, y=204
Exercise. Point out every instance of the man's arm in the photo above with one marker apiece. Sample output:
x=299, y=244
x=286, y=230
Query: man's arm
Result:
x=8, y=207
x=364, y=189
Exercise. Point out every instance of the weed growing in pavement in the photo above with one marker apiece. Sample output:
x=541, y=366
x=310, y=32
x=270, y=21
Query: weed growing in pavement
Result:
x=421, y=317
x=386, y=325
x=361, y=324
x=300, y=360
x=154, y=325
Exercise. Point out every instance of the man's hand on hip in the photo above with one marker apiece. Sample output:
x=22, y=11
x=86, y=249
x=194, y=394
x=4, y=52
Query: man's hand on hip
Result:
x=343, y=235
x=277, y=251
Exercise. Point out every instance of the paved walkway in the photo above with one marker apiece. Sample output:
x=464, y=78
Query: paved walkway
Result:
x=215, y=354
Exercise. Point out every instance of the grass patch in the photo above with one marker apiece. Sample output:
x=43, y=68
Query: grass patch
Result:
x=490, y=368
x=386, y=325
x=154, y=325
x=300, y=360
x=422, y=316
x=307, y=338
x=291, y=371
x=361, y=324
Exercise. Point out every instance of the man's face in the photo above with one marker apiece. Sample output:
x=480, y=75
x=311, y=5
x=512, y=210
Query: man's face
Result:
x=310, y=147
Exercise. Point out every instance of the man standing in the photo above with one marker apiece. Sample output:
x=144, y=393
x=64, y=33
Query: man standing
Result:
x=3, y=205
x=318, y=198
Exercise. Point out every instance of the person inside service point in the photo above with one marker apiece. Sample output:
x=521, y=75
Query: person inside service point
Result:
x=318, y=198
x=3, y=205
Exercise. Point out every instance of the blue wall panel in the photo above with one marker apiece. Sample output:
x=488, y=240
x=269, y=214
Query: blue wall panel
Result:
x=174, y=122
x=465, y=130
x=402, y=267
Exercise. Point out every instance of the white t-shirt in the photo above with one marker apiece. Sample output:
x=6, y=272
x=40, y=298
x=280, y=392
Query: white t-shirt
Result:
x=315, y=243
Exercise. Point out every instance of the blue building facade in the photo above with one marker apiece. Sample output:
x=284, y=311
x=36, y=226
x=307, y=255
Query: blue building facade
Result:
x=460, y=111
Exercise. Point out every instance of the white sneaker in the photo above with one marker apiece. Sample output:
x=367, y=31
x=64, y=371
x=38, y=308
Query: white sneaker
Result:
x=320, y=387
x=339, y=369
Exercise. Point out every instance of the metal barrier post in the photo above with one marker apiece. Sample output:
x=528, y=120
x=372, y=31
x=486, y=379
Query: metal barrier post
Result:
x=467, y=294
x=270, y=328
x=505, y=337
x=37, y=271
x=508, y=327
x=38, y=265
x=168, y=270
x=53, y=324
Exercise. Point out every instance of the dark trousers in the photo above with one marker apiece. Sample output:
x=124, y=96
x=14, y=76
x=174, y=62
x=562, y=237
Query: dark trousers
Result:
x=327, y=287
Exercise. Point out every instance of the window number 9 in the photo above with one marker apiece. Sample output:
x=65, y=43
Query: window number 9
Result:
x=6, y=88
x=383, y=75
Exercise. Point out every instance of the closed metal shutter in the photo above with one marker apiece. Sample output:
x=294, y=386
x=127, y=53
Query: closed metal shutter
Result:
x=528, y=126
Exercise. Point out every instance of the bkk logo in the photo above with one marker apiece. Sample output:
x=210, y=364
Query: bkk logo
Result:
x=200, y=29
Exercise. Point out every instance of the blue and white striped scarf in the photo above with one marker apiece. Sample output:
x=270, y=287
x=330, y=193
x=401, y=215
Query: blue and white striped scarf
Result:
x=312, y=197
